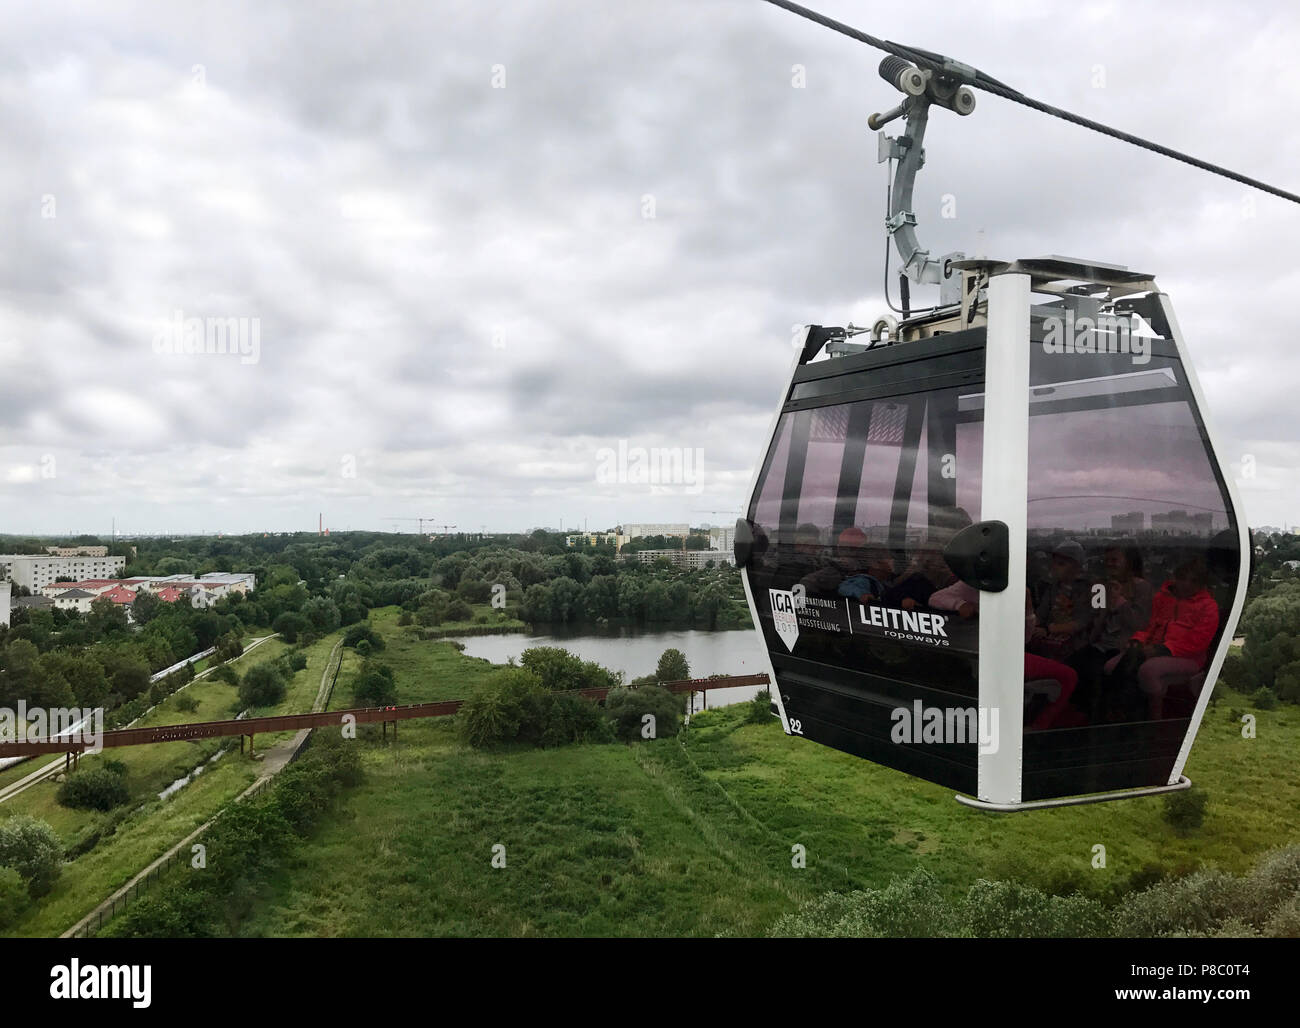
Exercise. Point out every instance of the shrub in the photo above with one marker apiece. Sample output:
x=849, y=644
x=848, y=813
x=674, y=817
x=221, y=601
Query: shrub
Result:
x=1287, y=682
x=14, y=897
x=405, y=619
x=512, y=706
x=574, y=719
x=760, y=708
x=1264, y=699
x=188, y=704
x=290, y=626
x=97, y=788
x=627, y=709
x=262, y=686
x=181, y=914
x=1185, y=809
x=297, y=660
x=1233, y=673
x=373, y=688
x=362, y=630
x=911, y=907
x=459, y=610
x=1194, y=905
x=364, y=648
x=558, y=669
x=31, y=848
x=1285, y=922
x=1012, y=910
x=226, y=673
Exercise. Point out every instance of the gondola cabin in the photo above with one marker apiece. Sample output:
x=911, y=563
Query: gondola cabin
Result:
x=996, y=546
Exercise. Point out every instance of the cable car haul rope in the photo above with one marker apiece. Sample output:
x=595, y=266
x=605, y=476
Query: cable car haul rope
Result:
x=976, y=79
x=947, y=552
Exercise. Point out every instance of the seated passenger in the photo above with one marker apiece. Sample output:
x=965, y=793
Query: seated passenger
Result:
x=795, y=563
x=959, y=596
x=1056, y=713
x=833, y=567
x=1174, y=644
x=1064, y=613
x=872, y=577
x=1127, y=610
x=927, y=574
x=965, y=600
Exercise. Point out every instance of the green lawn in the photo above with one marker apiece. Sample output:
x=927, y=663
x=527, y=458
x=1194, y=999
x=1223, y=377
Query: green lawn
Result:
x=691, y=836
x=696, y=837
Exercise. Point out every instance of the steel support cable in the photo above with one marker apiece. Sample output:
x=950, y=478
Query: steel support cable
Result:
x=927, y=61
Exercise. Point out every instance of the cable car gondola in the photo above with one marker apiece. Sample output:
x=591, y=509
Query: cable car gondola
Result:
x=994, y=544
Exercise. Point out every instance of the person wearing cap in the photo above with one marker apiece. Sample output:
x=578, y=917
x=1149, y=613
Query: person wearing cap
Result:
x=1064, y=612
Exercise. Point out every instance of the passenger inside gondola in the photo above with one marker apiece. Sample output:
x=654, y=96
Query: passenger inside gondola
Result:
x=1127, y=609
x=1064, y=612
x=1049, y=684
x=1168, y=652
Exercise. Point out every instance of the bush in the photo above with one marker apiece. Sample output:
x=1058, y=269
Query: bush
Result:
x=627, y=708
x=182, y=914
x=1234, y=671
x=14, y=898
x=262, y=686
x=364, y=648
x=510, y=707
x=1011, y=910
x=31, y=848
x=188, y=704
x=362, y=630
x=907, y=908
x=1264, y=699
x=226, y=673
x=459, y=610
x=97, y=788
x=290, y=625
x=405, y=619
x=558, y=669
x=760, y=708
x=373, y=688
x=1195, y=905
x=1185, y=809
x=297, y=661
x=574, y=719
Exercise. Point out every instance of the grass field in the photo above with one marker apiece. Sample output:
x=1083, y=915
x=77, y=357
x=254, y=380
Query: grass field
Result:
x=689, y=836
x=695, y=837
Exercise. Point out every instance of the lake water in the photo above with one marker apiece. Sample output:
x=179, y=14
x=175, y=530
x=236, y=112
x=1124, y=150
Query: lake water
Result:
x=636, y=652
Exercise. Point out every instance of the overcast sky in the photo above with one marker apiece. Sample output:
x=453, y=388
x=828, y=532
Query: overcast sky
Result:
x=481, y=241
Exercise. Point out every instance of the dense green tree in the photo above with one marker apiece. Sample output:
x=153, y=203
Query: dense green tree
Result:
x=566, y=600
x=290, y=625
x=31, y=848
x=673, y=666
x=601, y=597
x=263, y=685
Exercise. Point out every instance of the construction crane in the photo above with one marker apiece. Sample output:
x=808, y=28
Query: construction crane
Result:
x=421, y=521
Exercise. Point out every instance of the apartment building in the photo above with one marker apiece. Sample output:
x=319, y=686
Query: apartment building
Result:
x=34, y=571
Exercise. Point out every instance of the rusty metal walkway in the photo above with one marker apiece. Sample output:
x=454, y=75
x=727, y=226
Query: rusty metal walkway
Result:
x=292, y=722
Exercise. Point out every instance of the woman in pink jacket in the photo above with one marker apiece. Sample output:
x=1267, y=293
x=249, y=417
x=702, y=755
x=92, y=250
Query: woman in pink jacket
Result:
x=1175, y=643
